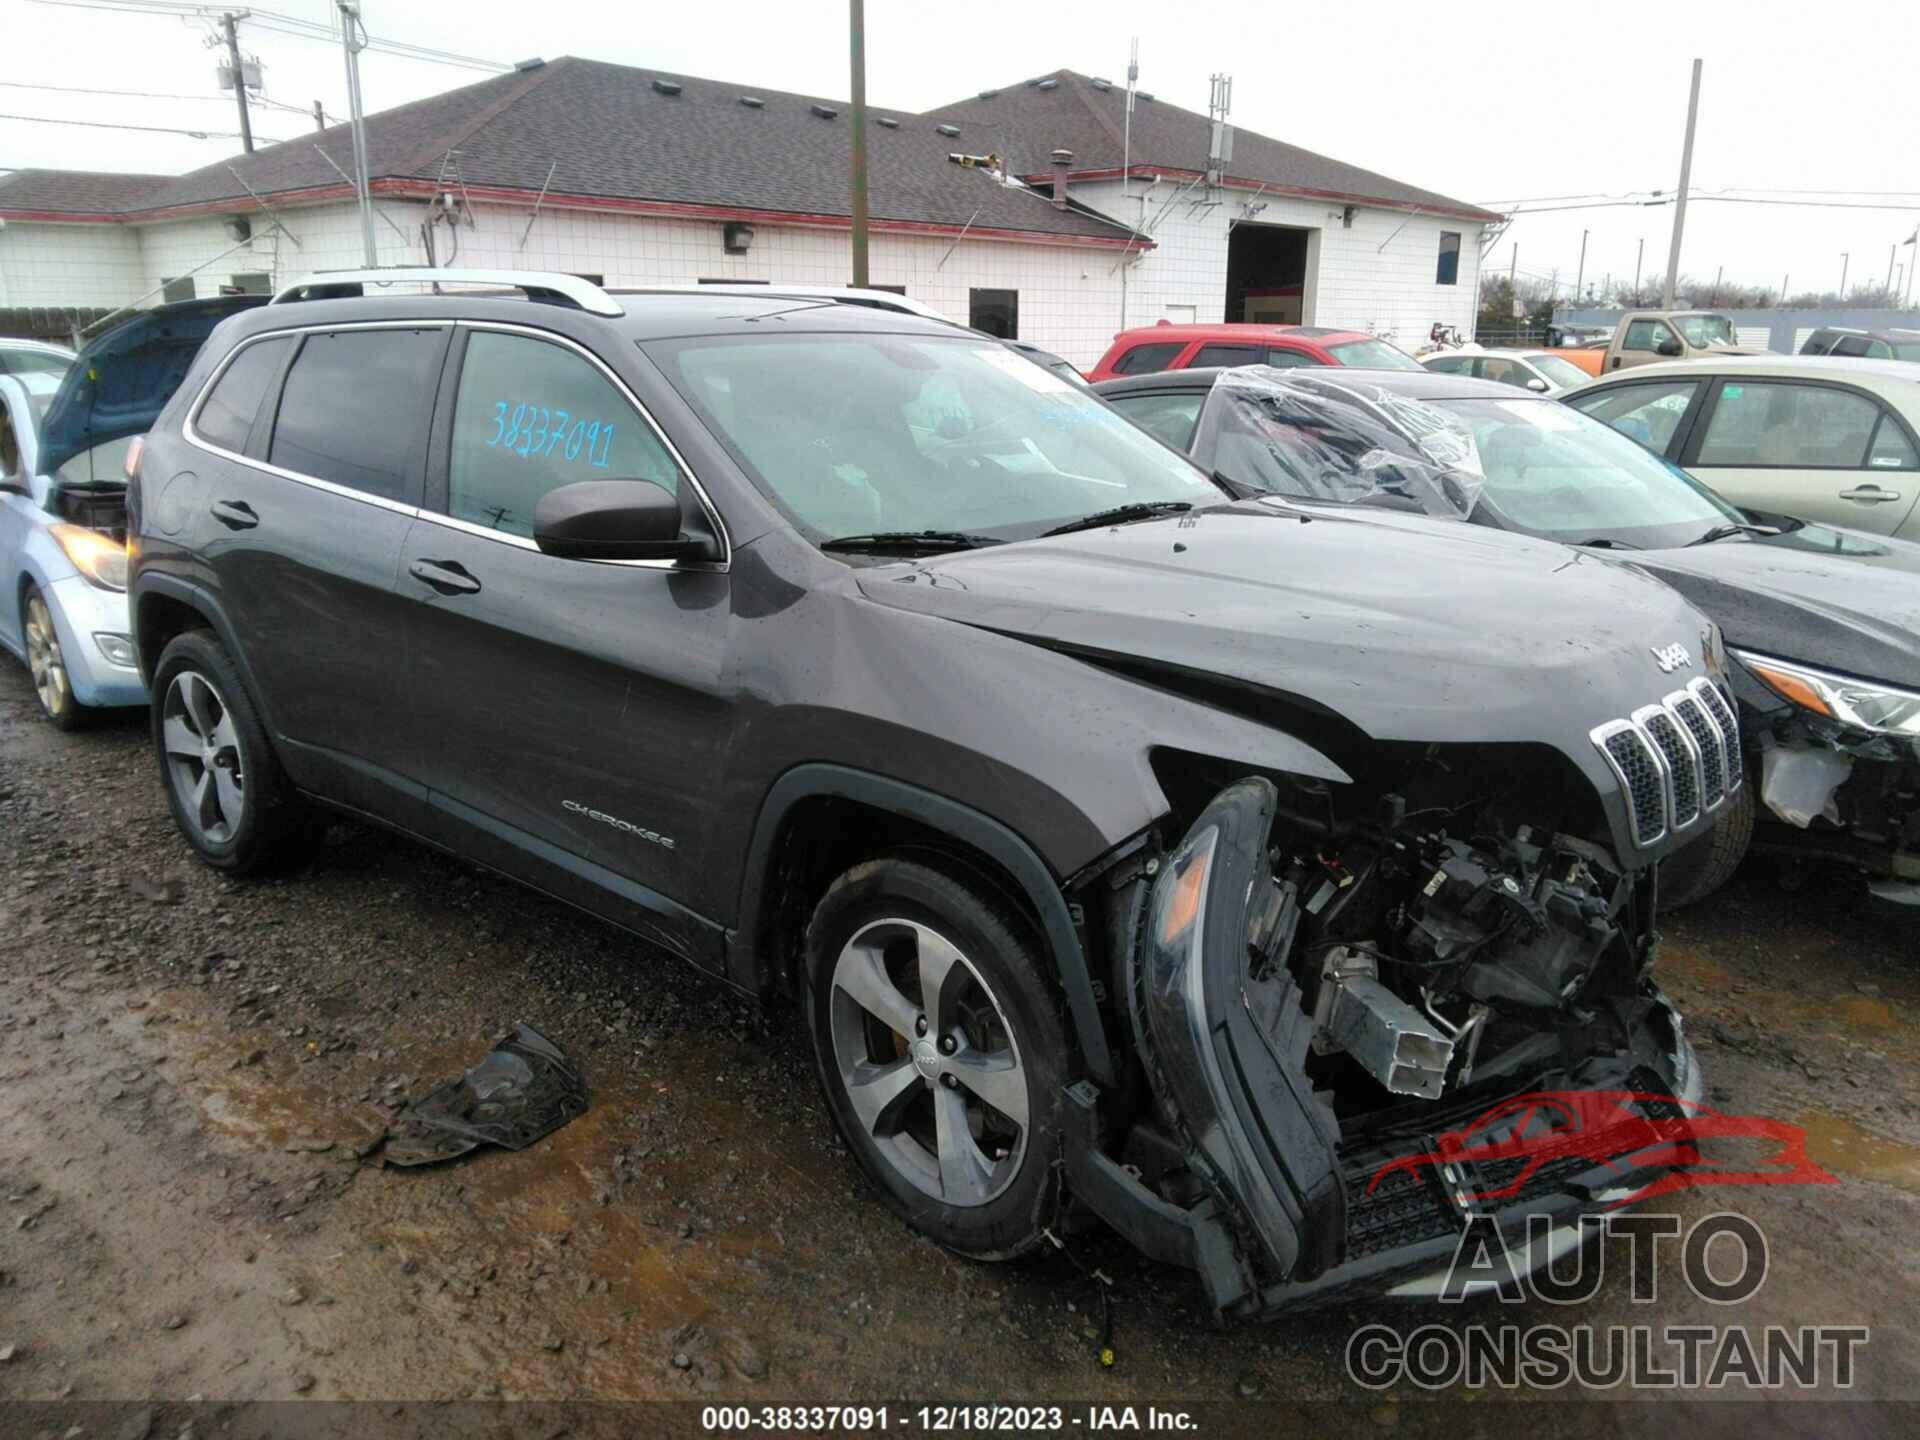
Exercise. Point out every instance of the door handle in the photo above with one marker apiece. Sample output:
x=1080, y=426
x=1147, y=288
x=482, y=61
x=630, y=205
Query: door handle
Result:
x=1872, y=494
x=445, y=576
x=235, y=514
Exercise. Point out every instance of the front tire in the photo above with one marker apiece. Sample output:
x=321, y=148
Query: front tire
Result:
x=224, y=783
x=940, y=1049
x=1695, y=871
x=52, y=685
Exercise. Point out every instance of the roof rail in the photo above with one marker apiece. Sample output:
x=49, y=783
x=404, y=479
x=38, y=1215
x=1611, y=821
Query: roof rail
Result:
x=543, y=285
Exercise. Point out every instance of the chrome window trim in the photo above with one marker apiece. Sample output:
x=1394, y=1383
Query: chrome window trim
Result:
x=420, y=512
x=196, y=439
x=722, y=565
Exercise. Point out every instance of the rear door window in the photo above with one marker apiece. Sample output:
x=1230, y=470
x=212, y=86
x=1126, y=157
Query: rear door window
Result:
x=1291, y=359
x=227, y=414
x=531, y=416
x=1168, y=418
x=1644, y=335
x=1226, y=355
x=1800, y=427
x=1855, y=345
x=1147, y=359
x=355, y=408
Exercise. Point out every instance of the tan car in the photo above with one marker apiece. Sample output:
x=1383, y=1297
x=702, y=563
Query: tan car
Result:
x=1826, y=439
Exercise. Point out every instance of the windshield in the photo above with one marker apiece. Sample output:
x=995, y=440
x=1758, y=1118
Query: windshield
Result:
x=1372, y=355
x=1705, y=329
x=1526, y=464
x=1561, y=372
x=885, y=434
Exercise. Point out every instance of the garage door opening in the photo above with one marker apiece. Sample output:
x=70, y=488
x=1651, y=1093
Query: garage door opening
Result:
x=1267, y=274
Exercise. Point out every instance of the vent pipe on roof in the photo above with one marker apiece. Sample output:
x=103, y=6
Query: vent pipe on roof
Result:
x=753, y=102
x=1101, y=85
x=1049, y=85
x=825, y=112
x=947, y=130
x=886, y=120
x=667, y=87
x=1062, y=163
x=534, y=64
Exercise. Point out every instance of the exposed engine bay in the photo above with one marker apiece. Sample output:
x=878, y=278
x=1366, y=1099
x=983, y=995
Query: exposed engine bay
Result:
x=1310, y=1000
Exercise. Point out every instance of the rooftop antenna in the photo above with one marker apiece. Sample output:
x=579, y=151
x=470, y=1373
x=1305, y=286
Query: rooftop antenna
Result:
x=1126, y=138
x=1220, y=147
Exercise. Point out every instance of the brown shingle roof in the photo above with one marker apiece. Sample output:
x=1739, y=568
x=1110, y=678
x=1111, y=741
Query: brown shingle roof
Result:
x=81, y=194
x=611, y=135
x=1075, y=113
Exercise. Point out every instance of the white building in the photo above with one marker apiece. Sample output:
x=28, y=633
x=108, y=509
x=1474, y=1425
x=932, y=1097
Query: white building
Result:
x=636, y=178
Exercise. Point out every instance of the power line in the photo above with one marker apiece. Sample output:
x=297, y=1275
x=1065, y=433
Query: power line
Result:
x=151, y=129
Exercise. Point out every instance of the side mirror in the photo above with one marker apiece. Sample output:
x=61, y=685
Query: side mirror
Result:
x=1537, y=385
x=616, y=520
x=1668, y=346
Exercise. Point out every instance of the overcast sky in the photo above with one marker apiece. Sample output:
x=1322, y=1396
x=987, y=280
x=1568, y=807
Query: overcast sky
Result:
x=1490, y=102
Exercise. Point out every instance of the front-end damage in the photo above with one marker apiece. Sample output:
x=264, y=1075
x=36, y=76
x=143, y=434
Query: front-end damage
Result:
x=1839, y=763
x=1312, y=1000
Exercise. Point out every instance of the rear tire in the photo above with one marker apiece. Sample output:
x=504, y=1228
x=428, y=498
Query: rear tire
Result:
x=1694, y=872
x=940, y=1049
x=52, y=685
x=224, y=783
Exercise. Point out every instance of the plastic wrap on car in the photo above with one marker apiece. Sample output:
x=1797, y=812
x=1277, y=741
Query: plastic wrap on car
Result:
x=1325, y=437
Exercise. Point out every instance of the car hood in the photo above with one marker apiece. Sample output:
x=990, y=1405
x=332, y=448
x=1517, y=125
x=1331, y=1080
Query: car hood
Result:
x=1839, y=599
x=1406, y=627
x=124, y=378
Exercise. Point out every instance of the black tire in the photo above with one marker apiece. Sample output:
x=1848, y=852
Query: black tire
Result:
x=1695, y=871
x=1020, y=1014
x=52, y=685
x=274, y=828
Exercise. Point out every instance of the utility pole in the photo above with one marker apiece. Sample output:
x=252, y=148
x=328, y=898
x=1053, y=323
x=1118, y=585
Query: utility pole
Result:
x=857, y=42
x=1892, y=250
x=1680, y=201
x=230, y=22
x=349, y=25
x=319, y=116
x=1846, y=258
x=1718, y=275
x=1580, y=274
x=1638, y=256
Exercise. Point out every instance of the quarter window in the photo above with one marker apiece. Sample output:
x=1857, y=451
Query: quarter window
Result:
x=355, y=408
x=1891, y=449
x=532, y=416
x=1147, y=359
x=226, y=417
x=1802, y=427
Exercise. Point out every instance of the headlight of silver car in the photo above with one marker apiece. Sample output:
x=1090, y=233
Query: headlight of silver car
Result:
x=1860, y=704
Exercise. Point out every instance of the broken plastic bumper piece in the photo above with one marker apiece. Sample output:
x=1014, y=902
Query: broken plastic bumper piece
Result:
x=522, y=1089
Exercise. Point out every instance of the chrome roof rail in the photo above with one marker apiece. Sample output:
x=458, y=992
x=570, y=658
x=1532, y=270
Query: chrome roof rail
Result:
x=544, y=285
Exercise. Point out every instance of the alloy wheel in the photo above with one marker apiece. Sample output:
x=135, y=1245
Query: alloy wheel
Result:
x=44, y=659
x=204, y=763
x=928, y=1062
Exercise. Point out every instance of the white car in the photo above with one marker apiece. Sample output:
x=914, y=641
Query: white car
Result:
x=1541, y=371
x=34, y=357
x=1815, y=438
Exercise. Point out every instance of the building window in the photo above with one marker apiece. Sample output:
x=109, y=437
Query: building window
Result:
x=1449, y=271
x=179, y=287
x=253, y=282
x=996, y=312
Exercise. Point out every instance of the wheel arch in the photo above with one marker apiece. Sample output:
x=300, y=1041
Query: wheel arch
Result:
x=772, y=891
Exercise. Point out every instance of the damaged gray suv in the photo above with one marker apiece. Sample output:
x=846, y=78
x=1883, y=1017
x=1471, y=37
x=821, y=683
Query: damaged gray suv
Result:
x=1190, y=862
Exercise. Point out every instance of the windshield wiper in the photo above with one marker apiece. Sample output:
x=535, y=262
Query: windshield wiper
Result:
x=1604, y=542
x=1728, y=531
x=1121, y=514
x=913, y=542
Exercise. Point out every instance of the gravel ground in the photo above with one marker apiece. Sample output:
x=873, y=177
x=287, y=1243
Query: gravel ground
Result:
x=190, y=1068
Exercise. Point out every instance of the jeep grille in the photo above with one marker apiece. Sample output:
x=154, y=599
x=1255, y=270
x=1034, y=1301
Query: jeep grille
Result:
x=1677, y=760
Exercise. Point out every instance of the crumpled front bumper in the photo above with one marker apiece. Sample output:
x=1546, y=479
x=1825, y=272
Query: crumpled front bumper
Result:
x=1291, y=1217
x=82, y=612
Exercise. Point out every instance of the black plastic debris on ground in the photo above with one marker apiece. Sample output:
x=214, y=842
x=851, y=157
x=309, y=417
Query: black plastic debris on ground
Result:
x=524, y=1088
